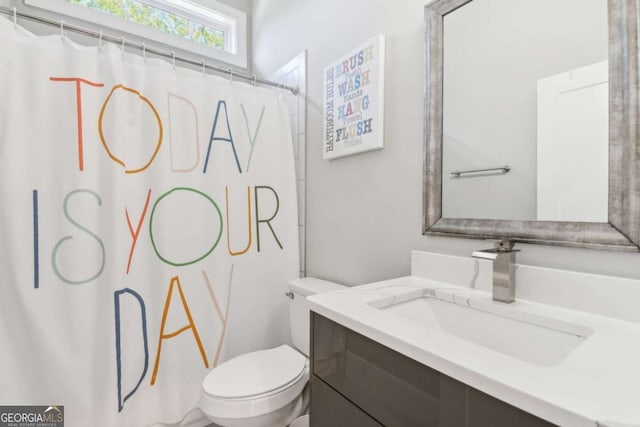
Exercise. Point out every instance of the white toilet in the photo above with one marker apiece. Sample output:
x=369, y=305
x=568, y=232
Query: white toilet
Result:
x=268, y=387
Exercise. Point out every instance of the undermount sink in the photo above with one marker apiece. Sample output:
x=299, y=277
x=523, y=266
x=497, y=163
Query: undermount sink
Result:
x=529, y=337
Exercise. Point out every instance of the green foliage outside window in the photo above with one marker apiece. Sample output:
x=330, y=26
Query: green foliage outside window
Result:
x=134, y=11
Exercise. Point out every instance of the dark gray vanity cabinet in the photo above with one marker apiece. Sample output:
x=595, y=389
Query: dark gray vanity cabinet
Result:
x=357, y=382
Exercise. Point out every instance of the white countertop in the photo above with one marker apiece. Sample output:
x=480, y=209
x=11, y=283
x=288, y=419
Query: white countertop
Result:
x=597, y=384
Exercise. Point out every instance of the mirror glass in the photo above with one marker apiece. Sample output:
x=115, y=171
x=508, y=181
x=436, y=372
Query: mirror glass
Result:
x=525, y=91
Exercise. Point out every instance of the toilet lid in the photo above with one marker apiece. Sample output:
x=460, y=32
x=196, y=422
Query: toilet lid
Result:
x=255, y=373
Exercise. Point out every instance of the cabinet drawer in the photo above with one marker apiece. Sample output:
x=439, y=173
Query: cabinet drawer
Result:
x=330, y=409
x=395, y=390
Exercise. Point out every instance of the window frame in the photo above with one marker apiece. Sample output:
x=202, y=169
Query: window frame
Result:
x=235, y=27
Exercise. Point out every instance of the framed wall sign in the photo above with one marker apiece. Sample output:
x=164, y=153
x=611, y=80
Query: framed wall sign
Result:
x=354, y=101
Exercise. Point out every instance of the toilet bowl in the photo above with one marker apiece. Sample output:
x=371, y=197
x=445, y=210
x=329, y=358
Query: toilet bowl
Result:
x=262, y=388
x=266, y=388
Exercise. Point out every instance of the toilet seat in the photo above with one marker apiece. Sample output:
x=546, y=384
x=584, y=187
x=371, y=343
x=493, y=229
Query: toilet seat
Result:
x=255, y=383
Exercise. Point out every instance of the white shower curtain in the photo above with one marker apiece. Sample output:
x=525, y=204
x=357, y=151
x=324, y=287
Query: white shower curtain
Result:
x=148, y=229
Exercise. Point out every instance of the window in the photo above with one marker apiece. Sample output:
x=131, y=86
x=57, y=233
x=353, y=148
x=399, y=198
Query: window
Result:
x=158, y=14
x=215, y=30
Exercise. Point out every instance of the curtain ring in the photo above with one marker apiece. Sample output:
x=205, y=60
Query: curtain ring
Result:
x=204, y=68
x=100, y=40
x=15, y=16
x=173, y=59
x=254, y=80
x=144, y=51
x=231, y=75
x=62, y=29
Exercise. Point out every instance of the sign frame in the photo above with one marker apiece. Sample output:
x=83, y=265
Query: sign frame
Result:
x=354, y=101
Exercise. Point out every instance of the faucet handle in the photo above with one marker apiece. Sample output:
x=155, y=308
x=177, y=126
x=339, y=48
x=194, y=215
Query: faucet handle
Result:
x=504, y=245
x=500, y=246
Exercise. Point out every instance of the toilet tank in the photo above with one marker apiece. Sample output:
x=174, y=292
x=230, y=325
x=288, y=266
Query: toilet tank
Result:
x=299, y=310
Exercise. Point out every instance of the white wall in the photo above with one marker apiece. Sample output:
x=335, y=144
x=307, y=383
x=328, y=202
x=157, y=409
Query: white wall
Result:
x=495, y=51
x=364, y=213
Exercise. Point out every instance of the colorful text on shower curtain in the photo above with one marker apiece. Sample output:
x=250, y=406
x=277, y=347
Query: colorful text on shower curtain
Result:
x=149, y=228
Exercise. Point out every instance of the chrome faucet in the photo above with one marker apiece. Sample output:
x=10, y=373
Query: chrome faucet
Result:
x=504, y=269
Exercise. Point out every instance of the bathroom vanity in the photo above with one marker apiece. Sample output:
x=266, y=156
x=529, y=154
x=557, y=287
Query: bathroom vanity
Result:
x=434, y=349
x=363, y=383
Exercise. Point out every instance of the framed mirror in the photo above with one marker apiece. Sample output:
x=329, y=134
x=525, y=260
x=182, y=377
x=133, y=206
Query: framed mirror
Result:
x=531, y=121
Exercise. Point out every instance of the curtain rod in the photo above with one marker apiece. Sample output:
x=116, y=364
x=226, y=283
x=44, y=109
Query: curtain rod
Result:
x=142, y=47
